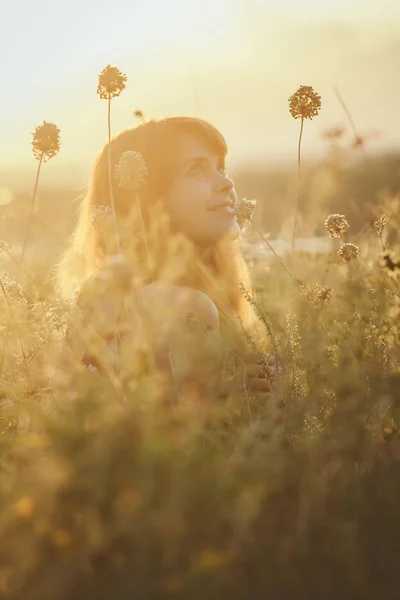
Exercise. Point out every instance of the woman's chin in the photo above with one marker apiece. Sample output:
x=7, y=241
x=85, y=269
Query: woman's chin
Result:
x=232, y=233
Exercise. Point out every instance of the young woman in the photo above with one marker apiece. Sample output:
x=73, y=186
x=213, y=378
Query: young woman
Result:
x=176, y=230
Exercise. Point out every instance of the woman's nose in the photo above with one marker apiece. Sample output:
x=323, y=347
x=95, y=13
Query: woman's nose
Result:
x=226, y=184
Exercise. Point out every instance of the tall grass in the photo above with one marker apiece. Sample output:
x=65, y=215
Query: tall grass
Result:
x=139, y=488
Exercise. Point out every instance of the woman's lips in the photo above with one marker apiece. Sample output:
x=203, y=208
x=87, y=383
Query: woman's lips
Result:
x=228, y=210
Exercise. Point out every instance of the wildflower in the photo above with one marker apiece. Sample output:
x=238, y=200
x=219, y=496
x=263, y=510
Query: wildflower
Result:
x=344, y=326
x=99, y=215
x=304, y=103
x=4, y=247
x=318, y=296
x=244, y=211
x=380, y=224
x=138, y=114
x=111, y=83
x=336, y=226
x=12, y=288
x=348, y=252
x=333, y=353
x=294, y=337
x=46, y=141
x=131, y=170
x=321, y=295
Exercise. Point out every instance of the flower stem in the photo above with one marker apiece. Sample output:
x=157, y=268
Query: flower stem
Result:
x=272, y=249
x=143, y=232
x=31, y=211
x=109, y=173
x=298, y=194
x=288, y=272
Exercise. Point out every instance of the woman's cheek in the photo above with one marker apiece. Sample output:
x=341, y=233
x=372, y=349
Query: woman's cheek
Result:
x=198, y=193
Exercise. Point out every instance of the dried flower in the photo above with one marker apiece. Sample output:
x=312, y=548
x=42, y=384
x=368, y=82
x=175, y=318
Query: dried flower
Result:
x=336, y=225
x=380, y=224
x=322, y=295
x=46, y=141
x=333, y=353
x=100, y=214
x=348, y=252
x=138, y=114
x=304, y=103
x=12, y=288
x=244, y=211
x=4, y=247
x=111, y=83
x=131, y=170
x=318, y=296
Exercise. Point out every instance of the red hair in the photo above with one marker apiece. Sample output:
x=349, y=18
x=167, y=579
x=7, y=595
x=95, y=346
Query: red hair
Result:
x=218, y=274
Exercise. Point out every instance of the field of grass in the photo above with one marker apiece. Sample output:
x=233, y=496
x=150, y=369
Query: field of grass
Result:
x=111, y=489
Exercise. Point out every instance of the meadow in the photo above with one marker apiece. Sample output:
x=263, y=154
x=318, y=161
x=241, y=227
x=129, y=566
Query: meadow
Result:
x=110, y=489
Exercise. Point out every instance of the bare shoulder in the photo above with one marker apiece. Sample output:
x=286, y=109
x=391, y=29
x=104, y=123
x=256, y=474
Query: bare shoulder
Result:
x=173, y=303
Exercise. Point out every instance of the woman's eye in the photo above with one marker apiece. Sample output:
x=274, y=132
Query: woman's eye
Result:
x=200, y=168
x=196, y=169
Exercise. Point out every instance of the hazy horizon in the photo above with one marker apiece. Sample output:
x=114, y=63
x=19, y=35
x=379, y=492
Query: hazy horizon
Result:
x=232, y=62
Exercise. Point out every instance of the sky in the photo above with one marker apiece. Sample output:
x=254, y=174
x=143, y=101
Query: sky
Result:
x=232, y=62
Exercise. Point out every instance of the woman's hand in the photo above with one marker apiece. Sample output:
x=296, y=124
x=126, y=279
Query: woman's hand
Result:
x=260, y=369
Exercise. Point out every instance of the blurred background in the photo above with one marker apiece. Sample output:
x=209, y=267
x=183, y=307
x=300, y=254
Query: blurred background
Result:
x=232, y=62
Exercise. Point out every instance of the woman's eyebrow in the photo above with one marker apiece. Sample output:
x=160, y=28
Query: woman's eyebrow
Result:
x=203, y=159
x=197, y=159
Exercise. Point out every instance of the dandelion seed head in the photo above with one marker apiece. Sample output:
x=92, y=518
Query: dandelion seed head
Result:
x=111, y=83
x=46, y=141
x=244, y=211
x=348, y=252
x=336, y=225
x=304, y=103
x=131, y=170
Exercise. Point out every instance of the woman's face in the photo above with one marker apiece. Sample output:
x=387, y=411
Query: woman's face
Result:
x=201, y=198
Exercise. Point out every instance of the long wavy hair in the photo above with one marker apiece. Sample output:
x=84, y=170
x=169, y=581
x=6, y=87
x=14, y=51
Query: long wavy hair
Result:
x=220, y=272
